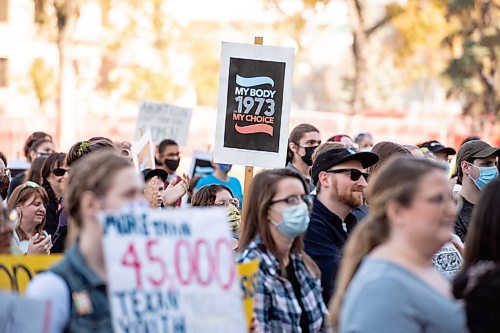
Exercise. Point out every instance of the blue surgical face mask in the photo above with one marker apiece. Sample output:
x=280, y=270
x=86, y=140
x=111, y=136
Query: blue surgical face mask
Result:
x=225, y=167
x=486, y=175
x=295, y=220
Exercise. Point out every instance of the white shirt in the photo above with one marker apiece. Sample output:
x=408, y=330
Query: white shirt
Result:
x=49, y=286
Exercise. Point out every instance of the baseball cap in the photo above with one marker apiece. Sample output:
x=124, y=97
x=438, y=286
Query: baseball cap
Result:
x=335, y=156
x=436, y=147
x=472, y=150
x=150, y=173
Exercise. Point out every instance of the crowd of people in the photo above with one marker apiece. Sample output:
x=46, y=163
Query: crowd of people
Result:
x=351, y=235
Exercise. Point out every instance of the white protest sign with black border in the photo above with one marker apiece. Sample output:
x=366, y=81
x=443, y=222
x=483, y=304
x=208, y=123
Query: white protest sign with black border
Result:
x=165, y=122
x=172, y=271
x=255, y=93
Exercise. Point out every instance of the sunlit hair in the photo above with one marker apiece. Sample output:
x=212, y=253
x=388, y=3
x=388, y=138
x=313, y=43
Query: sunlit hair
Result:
x=205, y=196
x=93, y=173
x=21, y=195
x=483, y=235
x=261, y=193
x=82, y=148
x=397, y=181
x=385, y=150
x=298, y=133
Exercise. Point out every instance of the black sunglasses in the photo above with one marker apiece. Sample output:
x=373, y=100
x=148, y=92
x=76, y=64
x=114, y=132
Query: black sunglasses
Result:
x=60, y=172
x=354, y=173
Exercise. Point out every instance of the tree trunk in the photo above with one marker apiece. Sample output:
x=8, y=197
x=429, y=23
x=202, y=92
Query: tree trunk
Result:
x=359, y=45
x=65, y=116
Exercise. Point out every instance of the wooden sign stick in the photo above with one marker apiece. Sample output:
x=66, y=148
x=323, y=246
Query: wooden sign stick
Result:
x=248, y=169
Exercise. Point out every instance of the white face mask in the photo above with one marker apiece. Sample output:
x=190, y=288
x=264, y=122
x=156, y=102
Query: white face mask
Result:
x=366, y=149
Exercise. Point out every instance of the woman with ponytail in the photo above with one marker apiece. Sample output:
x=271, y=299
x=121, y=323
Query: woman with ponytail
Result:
x=387, y=282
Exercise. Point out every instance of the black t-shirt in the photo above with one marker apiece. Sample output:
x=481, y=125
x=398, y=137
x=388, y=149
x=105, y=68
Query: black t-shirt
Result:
x=290, y=274
x=463, y=219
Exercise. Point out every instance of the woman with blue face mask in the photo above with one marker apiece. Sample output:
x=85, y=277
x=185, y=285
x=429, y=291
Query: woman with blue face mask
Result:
x=287, y=295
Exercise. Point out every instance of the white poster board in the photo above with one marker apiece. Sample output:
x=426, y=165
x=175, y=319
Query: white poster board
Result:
x=165, y=122
x=143, y=152
x=255, y=94
x=172, y=271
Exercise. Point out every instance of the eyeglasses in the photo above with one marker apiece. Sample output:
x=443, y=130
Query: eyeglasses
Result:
x=440, y=199
x=60, y=172
x=294, y=200
x=354, y=173
x=226, y=203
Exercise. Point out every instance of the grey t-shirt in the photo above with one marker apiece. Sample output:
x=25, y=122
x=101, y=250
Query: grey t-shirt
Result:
x=384, y=297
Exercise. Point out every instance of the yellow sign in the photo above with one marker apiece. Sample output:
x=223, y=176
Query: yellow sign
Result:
x=17, y=271
x=248, y=278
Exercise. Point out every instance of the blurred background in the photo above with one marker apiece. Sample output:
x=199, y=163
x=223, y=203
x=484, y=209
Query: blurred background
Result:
x=405, y=71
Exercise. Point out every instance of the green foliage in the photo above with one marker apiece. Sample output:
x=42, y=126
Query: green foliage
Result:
x=43, y=80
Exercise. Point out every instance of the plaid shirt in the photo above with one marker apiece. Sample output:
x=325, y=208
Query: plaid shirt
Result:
x=276, y=308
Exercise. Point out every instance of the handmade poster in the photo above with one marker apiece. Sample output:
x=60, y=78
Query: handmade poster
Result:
x=172, y=271
x=17, y=271
x=201, y=164
x=248, y=278
x=165, y=122
x=19, y=314
x=143, y=152
x=255, y=88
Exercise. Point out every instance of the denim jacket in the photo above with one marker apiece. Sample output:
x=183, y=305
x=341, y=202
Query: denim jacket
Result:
x=85, y=287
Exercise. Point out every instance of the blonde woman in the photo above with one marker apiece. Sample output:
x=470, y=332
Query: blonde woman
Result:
x=387, y=282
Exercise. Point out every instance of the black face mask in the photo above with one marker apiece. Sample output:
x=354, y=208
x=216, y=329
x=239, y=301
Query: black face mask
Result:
x=172, y=164
x=4, y=186
x=307, y=158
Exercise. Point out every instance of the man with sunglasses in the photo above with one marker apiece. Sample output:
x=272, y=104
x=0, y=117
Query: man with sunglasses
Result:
x=340, y=181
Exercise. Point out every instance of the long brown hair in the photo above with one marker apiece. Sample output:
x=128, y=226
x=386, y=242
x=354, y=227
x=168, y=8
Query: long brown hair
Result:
x=261, y=193
x=20, y=196
x=295, y=136
x=397, y=181
x=483, y=236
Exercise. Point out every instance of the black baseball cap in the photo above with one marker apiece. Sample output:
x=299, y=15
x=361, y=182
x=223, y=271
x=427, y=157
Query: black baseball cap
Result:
x=436, y=147
x=335, y=156
x=150, y=173
x=472, y=150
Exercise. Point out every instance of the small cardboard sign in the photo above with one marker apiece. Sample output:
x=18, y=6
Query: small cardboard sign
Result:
x=165, y=122
x=255, y=89
x=172, y=271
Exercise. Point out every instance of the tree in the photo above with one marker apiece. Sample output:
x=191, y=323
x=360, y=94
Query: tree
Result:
x=459, y=41
x=60, y=27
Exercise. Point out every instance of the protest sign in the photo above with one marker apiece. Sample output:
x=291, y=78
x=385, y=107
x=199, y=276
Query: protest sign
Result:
x=255, y=88
x=165, y=122
x=172, y=271
x=201, y=164
x=17, y=271
x=248, y=278
x=19, y=314
x=143, y=152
